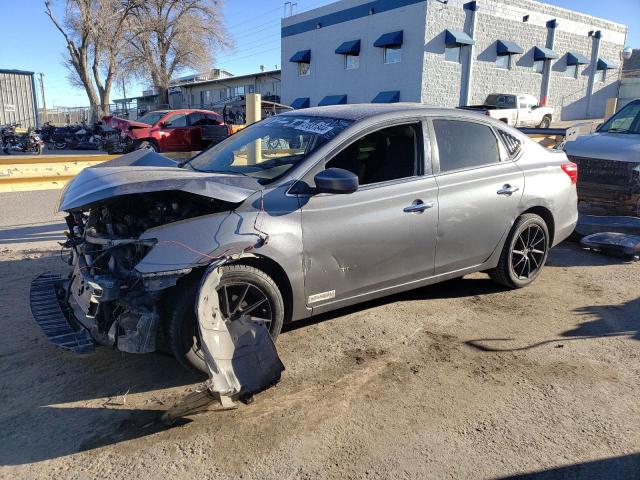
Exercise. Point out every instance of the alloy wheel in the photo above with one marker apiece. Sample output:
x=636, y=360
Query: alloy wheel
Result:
x=528, y=252
x=237, y=299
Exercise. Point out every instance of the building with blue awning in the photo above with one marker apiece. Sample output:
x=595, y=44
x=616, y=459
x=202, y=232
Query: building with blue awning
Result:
x=450, y=53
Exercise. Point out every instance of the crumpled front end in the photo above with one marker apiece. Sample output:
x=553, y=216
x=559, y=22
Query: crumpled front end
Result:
x=104, y=295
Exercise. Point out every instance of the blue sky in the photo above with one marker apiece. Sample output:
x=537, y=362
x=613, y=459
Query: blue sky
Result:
x=30, y=42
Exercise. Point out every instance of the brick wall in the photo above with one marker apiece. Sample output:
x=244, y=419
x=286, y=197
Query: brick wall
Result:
x=503, y=19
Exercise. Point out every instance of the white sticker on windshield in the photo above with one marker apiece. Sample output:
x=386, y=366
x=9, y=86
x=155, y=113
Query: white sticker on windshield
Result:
x=308, y=125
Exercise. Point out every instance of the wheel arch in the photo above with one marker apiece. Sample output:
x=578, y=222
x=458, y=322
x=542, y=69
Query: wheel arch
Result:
x=279, y=276
x=547, y=216
x=148, y=139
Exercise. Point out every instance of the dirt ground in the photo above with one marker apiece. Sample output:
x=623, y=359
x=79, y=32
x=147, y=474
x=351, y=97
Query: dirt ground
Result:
x=458, y=380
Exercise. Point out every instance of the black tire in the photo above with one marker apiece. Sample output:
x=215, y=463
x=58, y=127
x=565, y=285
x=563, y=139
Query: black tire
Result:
x=545, y=123
x=151, y=145
x=60, y=145
x=182, y=333
x=514, y=274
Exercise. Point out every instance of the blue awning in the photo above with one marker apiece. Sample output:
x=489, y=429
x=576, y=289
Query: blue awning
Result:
x=351, y=47
x=455, y=37
x=604, y=64
x=574, y=58
x=301, y=102
x=333, y=100
x=541, y=53
x=392, y=96
x=505, y=47
x=392, y=39
x=303, y=56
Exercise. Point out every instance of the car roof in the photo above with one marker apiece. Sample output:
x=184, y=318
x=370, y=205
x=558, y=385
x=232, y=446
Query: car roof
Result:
x=185, y=110
x=360, y=111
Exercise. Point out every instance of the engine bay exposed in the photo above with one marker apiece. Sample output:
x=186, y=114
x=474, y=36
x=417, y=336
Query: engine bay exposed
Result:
x=108, y=297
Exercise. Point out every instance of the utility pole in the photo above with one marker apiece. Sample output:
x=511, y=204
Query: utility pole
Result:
x=124, y=94
x=44, y=102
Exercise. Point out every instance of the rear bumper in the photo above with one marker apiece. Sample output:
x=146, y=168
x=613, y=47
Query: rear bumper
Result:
x=55, y=318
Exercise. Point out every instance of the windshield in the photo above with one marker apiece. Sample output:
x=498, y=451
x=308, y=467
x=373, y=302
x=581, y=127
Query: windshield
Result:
x=270, y=148
x=627, y=120
x=500, y=100
x=151, y=117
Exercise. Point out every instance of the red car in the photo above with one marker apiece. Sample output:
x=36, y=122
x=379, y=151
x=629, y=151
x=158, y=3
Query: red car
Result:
x=171, y=130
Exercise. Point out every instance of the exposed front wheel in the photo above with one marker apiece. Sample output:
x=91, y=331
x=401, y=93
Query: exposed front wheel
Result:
x=524, y=254
x=243, y=290
x=146, y=144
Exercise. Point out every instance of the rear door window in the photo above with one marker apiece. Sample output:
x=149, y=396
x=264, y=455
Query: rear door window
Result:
x=462, y=144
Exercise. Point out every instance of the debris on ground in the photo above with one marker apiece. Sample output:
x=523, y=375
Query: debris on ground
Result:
x=240, y=355
x=589, y=224
x=617, y=244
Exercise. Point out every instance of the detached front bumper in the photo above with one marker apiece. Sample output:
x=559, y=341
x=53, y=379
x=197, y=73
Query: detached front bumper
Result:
x=54, y=318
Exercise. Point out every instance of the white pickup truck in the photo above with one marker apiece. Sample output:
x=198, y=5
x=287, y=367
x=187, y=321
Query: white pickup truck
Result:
x=519, y=110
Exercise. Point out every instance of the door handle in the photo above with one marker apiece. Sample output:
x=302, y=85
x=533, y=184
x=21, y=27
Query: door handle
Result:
x=507, y=190
x=417, y=206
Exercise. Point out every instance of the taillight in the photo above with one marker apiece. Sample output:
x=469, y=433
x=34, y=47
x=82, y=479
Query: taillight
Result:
x=570, y=169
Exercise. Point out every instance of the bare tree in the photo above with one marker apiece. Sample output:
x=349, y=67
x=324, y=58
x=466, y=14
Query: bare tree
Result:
x=94, y=31
x=167, y=36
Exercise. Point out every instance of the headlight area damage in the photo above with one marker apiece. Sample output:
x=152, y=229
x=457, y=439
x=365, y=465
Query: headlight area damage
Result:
x=105, y=294
x=127, y=250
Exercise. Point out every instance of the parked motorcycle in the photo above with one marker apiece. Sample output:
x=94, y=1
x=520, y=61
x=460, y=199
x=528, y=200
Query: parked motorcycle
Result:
x=15, y=141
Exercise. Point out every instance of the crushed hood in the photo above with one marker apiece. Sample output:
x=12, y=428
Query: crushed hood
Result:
x=622, y=147
x=145, y=171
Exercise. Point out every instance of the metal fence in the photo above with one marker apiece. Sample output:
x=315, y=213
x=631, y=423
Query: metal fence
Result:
x=64, y=115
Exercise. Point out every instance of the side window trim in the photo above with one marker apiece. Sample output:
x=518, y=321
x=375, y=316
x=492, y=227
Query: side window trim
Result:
x=435, y=154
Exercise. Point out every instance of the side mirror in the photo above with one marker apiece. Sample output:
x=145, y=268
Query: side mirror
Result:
x=165, y=124
x=336, y=180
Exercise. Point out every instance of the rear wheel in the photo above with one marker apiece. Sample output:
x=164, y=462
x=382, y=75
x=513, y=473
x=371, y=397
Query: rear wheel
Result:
x=243, y=290
x=524, y=254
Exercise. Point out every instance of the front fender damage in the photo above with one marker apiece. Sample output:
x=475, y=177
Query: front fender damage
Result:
x=240, y=355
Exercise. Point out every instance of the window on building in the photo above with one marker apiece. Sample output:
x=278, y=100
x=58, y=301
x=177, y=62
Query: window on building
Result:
x=599, y=76
x=504, y=62
x=392, y=54
x=571, y=71
x=388, y=154
x=351, y=62
x=452, y=53
x=304, y=69
x=538, y=66
x=479, y=148
x=240, y=90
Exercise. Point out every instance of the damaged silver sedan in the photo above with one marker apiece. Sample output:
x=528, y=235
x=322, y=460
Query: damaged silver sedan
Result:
x=301, y=213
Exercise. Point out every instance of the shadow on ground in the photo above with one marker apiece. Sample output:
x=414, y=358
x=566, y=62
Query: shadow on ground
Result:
x=604, y=321
x=24, y=234
x=626, y=467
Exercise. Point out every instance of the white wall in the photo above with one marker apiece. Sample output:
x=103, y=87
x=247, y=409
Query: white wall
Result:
x=328, y=76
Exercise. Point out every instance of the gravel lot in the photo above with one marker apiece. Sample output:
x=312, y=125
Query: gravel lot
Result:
x=457, y=380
